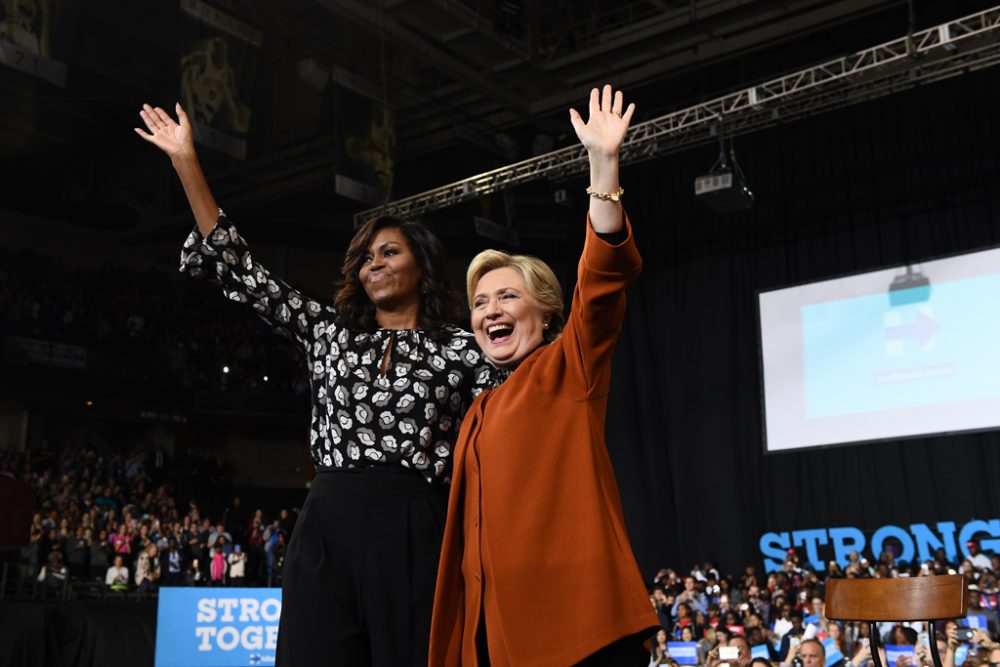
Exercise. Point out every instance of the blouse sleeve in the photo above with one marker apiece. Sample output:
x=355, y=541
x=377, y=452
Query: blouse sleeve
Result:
x=598, y=308
x=225, y=258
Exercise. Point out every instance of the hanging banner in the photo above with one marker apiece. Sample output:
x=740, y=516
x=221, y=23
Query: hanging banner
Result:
x=35, y=36
x=365, y=130
x=218, y=65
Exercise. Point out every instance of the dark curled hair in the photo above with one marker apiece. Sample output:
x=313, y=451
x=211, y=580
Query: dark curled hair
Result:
x=438, y=303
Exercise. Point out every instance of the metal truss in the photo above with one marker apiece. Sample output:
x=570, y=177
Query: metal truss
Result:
x=946, y=50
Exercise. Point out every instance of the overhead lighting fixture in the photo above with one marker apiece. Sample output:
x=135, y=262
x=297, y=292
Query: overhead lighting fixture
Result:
x=724, y=188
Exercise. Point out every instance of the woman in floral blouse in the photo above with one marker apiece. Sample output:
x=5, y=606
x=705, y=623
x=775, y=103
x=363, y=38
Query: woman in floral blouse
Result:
x=391, y=380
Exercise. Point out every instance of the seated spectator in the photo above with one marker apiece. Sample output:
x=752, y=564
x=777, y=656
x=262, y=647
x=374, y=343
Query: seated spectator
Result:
x=193, y=575
x=116, y=578
x=810, y=652
x=691, y=596
x=217, y=567
x=218, y=532
x=237, y=566
x=662, y=606
x=978, y=559
x=835, y=632
x=147, y=570
x=121, y=542
x=79, y=553
x=743, y=646
x=54, y=574
x=661, y=655
x=900, y=635
x=170, y=564
x=794, y=634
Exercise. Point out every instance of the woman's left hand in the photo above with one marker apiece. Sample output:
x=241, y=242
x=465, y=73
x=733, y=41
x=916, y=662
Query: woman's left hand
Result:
x=604, y=131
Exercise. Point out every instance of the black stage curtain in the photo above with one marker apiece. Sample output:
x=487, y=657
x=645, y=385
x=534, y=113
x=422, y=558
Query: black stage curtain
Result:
x=97, y=633
x=892, y=181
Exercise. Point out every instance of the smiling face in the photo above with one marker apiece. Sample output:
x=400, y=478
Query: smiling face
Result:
x=506, y=320
x=389, y=271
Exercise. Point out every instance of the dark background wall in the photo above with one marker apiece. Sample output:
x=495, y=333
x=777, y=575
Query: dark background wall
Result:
x=903, y=179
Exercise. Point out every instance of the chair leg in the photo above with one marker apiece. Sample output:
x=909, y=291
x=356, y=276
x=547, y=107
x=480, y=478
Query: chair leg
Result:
x=874, y=643
x=932, y=640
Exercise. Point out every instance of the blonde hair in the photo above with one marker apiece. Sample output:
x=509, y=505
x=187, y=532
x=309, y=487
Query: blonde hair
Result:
x=539, y=279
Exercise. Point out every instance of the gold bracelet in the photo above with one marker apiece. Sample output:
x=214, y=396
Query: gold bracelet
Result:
x=606, y=196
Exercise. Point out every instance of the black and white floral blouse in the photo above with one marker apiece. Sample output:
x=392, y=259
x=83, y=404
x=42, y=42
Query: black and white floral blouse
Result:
x=409, y=417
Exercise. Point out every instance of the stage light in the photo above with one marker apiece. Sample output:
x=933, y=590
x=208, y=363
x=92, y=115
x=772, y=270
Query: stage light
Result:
x=225, y=369
x=724, y=188
x=90, y=403
x=910, y=287
x=265, y=378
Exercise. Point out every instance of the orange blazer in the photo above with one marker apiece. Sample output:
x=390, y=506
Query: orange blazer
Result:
x=551, y=567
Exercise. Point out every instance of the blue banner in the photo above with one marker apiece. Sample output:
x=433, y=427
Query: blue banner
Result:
x=760, y=651
x=894, y=652
x=833, y=654
x=217, y=627
x=684, y=653
x=974, y=621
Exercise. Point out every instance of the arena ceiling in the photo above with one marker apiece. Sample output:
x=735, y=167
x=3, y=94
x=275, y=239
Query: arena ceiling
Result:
x=474, y=84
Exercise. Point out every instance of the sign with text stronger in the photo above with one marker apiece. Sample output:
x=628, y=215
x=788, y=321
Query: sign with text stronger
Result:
x=217, y=627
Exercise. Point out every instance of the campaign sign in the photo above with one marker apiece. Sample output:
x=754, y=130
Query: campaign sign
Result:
x=812, y=618
x=217, y=627
x=894, y=653
x=760, y=651
x=961, y=653
x=833, y=654
x=974, y=621
x=683, y=653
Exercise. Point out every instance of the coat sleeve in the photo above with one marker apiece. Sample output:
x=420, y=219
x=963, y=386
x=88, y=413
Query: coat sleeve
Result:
x=598, y=308
x=224, y=257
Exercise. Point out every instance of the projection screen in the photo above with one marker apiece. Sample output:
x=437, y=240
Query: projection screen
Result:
x=887, y=354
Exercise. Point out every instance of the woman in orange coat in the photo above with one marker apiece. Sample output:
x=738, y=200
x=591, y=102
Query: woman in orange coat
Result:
x=536, y=567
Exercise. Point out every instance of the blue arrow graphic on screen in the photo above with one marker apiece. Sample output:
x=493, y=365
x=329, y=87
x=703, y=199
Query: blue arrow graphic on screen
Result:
x=923, y=329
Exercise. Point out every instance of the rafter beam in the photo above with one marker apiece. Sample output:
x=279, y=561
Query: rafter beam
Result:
x=677, y=55
x=366, y=15
x=946, y=50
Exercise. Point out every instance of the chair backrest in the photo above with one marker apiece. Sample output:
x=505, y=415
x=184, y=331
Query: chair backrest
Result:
x=908, y=599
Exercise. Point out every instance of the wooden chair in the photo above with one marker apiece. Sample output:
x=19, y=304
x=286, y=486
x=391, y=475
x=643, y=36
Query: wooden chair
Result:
x=927, y=599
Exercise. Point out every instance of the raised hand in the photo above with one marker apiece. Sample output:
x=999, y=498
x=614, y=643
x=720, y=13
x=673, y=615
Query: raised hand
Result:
x=603, y=132
x=172, y=137
x=176, y=139
x=952, y=635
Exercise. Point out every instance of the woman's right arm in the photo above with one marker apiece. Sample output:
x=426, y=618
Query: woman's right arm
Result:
x=176, y=139
x=217, y=251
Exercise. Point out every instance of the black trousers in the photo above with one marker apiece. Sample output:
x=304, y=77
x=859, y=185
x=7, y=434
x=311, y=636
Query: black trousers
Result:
x=360, y=569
